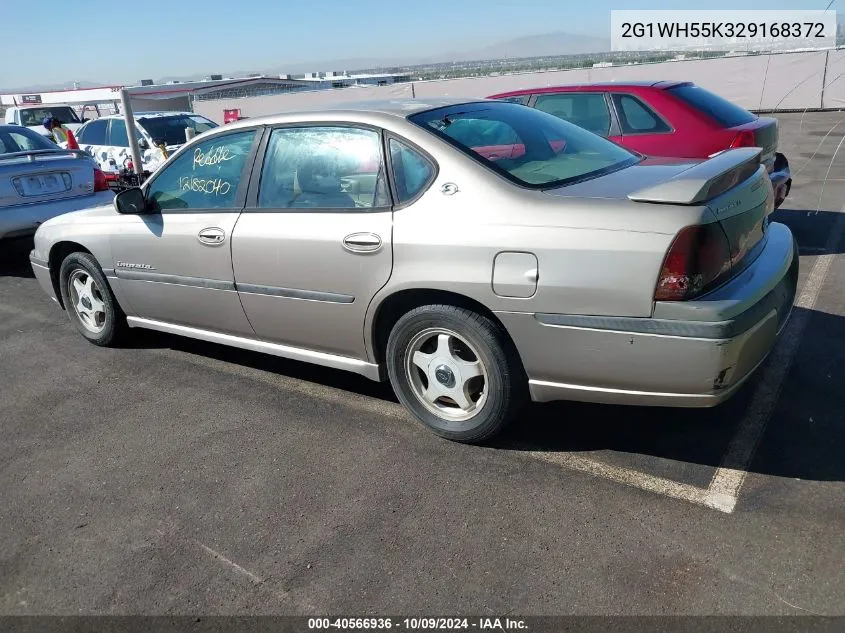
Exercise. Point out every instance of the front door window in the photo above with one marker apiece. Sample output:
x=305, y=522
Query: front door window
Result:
x=204, y=177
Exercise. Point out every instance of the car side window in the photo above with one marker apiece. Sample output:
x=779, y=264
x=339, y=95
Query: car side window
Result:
x=323, y=168
x=588, y=111
x=204, y=177
x=94, y=132
x=635, y=117
x=412, y=172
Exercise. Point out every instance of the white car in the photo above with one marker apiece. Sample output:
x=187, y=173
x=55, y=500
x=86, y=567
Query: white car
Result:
x=107, y=141
x=32, y=116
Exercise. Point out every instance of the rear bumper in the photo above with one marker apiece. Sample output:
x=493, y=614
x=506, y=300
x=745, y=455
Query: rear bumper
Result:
x=23, y=220
x=690, y=354
x=781, y=178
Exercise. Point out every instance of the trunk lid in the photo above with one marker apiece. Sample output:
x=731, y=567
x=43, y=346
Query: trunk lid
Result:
x=44, y=176
x=735, y=188
x=620, y=184
x=732, y=186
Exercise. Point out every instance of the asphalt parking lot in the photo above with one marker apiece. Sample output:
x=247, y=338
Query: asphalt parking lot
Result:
x=176, y=476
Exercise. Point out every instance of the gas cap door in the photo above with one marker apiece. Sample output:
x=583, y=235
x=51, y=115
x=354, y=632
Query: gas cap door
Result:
x=515, y=275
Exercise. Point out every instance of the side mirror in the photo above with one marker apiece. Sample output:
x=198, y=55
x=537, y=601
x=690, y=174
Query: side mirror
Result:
x=131, y=201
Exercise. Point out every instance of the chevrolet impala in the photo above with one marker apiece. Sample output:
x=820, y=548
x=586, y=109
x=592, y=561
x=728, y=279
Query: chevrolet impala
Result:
x=477, y=254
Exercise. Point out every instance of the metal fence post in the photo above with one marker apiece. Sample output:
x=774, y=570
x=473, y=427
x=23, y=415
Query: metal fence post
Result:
x=131, y=132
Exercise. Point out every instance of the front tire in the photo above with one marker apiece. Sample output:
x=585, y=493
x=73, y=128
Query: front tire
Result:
x=89, y=301
x=456, y=370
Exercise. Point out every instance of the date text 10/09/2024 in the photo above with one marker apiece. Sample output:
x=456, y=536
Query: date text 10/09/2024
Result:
x=418, y=624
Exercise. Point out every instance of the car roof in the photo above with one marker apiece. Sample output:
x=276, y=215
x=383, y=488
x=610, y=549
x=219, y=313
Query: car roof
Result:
x=10, y=127
x=402, y=107
x=29, y=106
x=609, y=86
x=152, y=114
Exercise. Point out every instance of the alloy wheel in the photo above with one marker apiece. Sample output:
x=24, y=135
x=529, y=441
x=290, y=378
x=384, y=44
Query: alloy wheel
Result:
x=446, y=374
x=87, y=300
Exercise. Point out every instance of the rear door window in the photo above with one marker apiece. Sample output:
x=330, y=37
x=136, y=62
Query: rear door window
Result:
x=412, y=172
x=711, y=105
x=94, y=133
x=323, y=167
x=588, y=111
x=635, y=117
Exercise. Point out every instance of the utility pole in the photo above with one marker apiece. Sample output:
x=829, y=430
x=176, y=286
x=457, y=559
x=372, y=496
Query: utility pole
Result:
x=130, y=131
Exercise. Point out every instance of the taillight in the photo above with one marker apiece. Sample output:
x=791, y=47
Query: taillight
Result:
x=100, y=182
x=700, y=257
x=745, y=138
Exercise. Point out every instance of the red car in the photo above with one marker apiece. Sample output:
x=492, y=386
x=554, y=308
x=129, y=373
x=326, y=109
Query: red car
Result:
x=663, y=118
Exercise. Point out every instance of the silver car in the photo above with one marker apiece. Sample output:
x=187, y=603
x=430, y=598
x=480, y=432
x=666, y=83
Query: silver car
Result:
x=39, y=180
x=475, y=254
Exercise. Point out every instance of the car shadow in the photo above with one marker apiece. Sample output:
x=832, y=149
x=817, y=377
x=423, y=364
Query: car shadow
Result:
x=811, y=229
x=803, y=438
x=14, y=257
x=347, y=381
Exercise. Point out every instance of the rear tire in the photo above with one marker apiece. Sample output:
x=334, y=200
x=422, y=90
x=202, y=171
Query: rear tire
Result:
x=457, y=371
x=89, y=301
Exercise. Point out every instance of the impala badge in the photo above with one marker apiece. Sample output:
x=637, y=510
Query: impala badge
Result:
x=128, y=265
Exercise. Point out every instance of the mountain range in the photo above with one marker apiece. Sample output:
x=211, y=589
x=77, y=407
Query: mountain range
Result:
x=540, y=45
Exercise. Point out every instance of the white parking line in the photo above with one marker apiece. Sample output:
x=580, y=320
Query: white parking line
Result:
x=627, y=476
x=728, y=479
x=218, y=556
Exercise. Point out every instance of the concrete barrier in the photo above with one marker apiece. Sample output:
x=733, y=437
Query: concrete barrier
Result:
x=779, y=81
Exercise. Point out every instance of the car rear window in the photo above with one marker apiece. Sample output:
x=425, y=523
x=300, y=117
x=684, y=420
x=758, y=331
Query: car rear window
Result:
x=22, y=140
x=529, y=147
x=170, y=130
x=714, y=106
x=36, y=116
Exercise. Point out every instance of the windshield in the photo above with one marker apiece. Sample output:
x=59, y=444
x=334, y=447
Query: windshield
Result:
x=20, y=139
x=529, y=147
x=170, y=130
x=714, y=106
x=36, y=116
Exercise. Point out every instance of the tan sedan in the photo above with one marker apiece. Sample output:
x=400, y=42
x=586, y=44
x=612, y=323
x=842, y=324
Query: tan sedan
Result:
x=477, y=254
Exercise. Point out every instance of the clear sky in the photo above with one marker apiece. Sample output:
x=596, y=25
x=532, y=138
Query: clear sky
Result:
x=126, y=41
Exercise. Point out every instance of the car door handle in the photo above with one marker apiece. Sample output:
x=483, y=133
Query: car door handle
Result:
x=212, y=236
x=362, y=242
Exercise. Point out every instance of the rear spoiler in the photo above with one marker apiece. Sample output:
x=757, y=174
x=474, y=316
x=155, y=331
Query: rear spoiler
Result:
x=705, y=180
x=78, y=153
